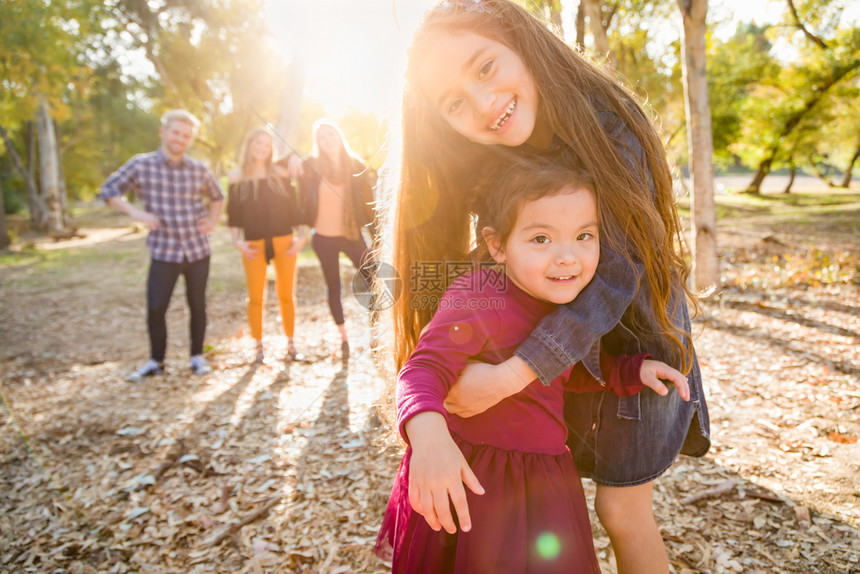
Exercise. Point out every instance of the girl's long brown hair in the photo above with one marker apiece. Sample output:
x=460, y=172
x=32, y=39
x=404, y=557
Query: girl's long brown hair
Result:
x=245, y=161
x=334, y=170
x=247, y=183
x=430, y=216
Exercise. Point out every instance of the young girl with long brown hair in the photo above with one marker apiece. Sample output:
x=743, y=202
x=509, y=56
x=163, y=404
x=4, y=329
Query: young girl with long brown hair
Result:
x=262, y=212
x=484, y=74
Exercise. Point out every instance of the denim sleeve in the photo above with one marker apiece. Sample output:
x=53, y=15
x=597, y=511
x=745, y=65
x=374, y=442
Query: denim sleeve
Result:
x=572, y=332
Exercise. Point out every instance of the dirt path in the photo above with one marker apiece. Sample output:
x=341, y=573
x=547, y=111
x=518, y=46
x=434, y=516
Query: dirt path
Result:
x=284, y=467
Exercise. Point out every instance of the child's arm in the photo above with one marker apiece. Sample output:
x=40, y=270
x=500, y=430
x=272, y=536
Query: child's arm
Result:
x=596, y=310
x=437, y=472
x=627, y=375
x=438, y=469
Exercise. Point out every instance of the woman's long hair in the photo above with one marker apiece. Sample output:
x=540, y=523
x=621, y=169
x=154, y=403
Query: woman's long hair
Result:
x=333, y=169
x=430, y=219
x=245, y=160
x=247, y=185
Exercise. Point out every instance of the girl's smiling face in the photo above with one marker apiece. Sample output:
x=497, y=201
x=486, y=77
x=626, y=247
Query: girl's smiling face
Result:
x=261, y=148
x=481, y=88
x=328, y=141
x=553, y=248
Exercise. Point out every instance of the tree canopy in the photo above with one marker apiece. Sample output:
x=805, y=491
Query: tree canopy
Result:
x=782, y=95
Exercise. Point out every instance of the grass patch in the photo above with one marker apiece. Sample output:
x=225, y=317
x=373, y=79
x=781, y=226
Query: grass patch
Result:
x=810, y=204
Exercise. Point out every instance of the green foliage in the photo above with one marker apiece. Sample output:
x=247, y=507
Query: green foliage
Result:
x=215, y=59
x=784, y=111
x=735, y=68
x=42, y=53
x=635, y=29
x=12, y=201
x=106, y=128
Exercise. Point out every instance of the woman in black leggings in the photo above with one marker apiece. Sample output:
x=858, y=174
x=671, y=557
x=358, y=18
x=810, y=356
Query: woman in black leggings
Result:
x=337, y=201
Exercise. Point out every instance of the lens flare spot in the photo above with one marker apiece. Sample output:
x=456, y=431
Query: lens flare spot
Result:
x=548, y=546
x=460, y=334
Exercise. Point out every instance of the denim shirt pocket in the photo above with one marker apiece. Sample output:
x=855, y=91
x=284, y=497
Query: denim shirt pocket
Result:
x=592, y=363
x=628, y=407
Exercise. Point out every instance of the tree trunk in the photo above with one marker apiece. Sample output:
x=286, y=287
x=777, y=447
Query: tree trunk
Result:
x=580, y=26
x=823, y=175
x=791, y=175
x=4, y=235
x=598, y=32
x=31, y=149
x=846, y=181
x=754, y=188
x=800, y=26
x=37, y=208
x=554, y=9
x=49, y=177
x=290, y=108
x=706, y=265
x=61, y=181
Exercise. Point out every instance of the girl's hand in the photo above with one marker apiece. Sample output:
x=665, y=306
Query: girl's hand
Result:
x=437, y=472
x=295, y=166
x=651, y=373
x=246, y=250
x=482, y=385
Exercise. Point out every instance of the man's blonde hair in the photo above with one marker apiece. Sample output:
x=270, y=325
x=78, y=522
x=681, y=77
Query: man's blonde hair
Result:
x=180, y=116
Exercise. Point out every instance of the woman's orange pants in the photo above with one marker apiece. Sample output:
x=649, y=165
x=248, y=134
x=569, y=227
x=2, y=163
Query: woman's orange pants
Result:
x=255, y=277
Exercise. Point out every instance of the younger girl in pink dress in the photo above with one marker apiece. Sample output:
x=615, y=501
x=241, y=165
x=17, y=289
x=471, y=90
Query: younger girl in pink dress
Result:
x=526, y=508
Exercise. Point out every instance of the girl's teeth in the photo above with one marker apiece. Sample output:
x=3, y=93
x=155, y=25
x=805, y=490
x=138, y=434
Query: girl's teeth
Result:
x=504, y=117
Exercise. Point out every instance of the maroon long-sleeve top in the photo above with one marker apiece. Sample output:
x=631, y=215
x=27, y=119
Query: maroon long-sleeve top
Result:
x=484, y=316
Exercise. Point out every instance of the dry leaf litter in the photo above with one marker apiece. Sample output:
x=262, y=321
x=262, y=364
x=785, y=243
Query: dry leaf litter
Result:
x=286, y=467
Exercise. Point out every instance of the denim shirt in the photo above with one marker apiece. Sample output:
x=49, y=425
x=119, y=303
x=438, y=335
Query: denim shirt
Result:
x=573, y=332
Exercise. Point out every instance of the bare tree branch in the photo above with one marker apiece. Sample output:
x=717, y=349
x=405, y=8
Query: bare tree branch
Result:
x=815, y=39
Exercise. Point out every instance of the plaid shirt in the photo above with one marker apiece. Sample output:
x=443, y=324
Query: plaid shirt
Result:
x=173, y=193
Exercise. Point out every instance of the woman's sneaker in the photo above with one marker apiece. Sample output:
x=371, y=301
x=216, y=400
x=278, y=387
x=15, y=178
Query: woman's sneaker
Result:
x=199, y=366
x=148, y=369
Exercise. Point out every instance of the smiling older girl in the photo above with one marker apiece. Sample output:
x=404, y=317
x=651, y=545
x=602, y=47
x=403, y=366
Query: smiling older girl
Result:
x=486, y=74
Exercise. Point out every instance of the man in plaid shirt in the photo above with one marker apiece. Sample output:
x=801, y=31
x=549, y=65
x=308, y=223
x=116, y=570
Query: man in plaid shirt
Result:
x=172, y=188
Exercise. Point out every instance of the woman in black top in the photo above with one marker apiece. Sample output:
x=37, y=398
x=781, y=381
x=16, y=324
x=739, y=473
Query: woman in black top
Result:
x=262, y=207
x=337, y=200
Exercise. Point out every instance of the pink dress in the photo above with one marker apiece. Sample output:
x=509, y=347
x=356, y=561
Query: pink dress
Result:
x=532, y=517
